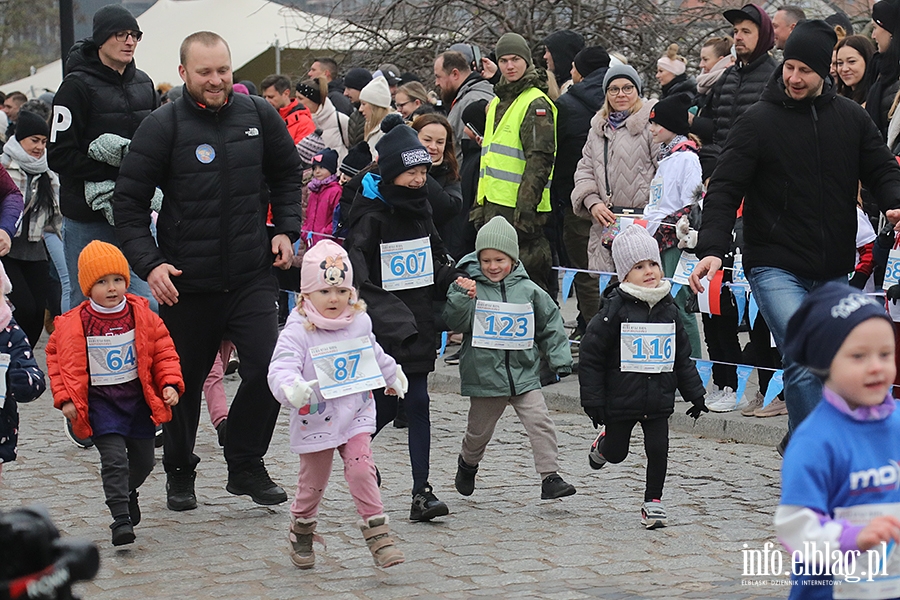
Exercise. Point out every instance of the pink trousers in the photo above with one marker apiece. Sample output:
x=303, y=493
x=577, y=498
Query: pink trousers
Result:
x=214, y=388
x=359, y=471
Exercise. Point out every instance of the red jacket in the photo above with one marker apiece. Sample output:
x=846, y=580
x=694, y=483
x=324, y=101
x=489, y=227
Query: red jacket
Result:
x=298, y=120
x=157, y=362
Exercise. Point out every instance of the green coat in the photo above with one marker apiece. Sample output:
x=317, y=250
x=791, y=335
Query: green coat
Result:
x=492, y=373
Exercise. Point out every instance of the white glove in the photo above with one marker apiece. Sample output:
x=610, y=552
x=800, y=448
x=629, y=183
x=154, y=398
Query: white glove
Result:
x=400, y=383
x=299, y=392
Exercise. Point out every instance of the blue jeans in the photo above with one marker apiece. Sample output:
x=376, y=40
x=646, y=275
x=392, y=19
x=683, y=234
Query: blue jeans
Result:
x=57, y=254
x=78, y=234
x=778, y=295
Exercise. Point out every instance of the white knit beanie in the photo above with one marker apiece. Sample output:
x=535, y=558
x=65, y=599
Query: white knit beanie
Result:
x=632, y=246
x=377, y=93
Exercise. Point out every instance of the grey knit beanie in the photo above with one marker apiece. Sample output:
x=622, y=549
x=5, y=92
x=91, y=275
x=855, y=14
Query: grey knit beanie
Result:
x=513, y=43
x=631, y=247
x=623, y=71
x=498, y=234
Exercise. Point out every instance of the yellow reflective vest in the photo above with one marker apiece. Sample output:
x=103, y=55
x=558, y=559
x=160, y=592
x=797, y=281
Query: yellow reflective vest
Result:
x=502, y=155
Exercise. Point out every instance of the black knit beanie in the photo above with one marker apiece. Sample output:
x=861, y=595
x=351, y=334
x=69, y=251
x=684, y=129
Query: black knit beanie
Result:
x=590, y=59
x=887, y=14
x=358, y=158
x=110, y=20
x=357, y=78
x=400, y=150
x=672, y=113
x=30, y=124
x=812, y=43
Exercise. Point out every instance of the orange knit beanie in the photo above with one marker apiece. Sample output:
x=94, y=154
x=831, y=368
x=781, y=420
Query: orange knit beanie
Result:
x=99, y=259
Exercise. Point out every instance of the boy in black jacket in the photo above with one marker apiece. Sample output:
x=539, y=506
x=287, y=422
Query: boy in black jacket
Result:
x=634, y=353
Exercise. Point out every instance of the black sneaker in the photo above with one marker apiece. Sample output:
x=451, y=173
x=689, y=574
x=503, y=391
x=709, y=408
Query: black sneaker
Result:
x=256, y=483
x=221, y=431
x=134, y=510
x=595, y=457
x=80, y=442
x=453, y=359
x=426, y=506
x=159, y=440
x=233, y=363
x=122, y=532
x=180, y=491
x=465, y=477
x=554, y=487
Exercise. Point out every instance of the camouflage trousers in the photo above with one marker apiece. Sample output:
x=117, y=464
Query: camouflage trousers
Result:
x=534, y=247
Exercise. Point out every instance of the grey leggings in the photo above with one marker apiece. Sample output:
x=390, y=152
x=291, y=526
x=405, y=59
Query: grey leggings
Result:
x=124, y=465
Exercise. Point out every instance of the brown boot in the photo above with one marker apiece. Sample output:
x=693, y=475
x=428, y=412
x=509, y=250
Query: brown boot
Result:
x=301, y=536
x=381, y=544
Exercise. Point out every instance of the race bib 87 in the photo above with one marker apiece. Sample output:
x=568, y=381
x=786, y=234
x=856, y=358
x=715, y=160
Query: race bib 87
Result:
x=406, y=265
x=346, y=367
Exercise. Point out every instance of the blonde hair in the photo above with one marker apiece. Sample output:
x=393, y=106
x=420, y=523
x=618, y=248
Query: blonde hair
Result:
x=359, y=306
x=608, y=109
x=672, y=53
x=376, y=116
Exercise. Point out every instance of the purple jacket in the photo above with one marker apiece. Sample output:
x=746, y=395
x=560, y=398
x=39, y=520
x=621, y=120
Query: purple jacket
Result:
x=323, y=424
x=11, y=204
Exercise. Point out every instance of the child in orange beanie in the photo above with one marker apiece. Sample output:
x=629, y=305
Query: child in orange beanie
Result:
x=115, y=375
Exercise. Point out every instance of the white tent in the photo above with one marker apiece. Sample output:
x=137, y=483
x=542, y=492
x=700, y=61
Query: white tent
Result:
x=249, y=26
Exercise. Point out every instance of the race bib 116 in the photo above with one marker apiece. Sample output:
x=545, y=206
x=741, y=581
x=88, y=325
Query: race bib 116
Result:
x=647, y=347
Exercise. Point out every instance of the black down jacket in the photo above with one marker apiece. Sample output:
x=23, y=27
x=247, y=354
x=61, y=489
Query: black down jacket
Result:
x=403, y=320
x=624, y=395
x=796, y=165
x=92, y=100
x=736, y=90
x=219, y=171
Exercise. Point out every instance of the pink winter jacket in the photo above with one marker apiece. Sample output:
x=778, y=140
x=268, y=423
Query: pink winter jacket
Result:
x=322, y=423
x=632, y=165
x=320, y=209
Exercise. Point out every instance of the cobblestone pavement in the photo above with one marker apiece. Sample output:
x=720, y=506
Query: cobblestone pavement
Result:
x=502, y=542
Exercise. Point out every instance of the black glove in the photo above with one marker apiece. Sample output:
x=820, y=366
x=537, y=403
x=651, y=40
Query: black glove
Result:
x=886, y=236
x=893, y=293
x=596, y=415
x=696, y=410
x=859, y=280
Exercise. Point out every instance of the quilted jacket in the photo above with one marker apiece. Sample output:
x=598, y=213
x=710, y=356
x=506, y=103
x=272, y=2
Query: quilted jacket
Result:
x=632, y=163
x=67, y=362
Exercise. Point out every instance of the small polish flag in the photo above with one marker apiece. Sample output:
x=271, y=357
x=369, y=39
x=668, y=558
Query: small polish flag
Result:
x=710, y=300
x=624, y=222
x=541, y=112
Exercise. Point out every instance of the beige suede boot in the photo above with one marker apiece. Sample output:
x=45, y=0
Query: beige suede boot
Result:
x=302, y=535
x=381, y=544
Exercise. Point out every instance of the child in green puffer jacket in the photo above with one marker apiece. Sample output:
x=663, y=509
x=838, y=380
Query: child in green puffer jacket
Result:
x=507, y=322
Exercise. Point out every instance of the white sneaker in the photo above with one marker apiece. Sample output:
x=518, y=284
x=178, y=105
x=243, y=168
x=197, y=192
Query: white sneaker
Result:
x=724, y=400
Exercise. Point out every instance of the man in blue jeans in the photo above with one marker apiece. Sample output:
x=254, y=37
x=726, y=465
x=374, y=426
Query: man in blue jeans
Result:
x=795, y=158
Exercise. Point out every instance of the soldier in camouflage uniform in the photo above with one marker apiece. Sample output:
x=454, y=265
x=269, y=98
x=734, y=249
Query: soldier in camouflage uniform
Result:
x=516, y=170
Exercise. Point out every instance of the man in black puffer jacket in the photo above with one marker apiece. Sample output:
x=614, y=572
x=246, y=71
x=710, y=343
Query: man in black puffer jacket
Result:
x=220, y=159
x=575, y=109
x=103, y=92
x=795, y=158
x=740, y=86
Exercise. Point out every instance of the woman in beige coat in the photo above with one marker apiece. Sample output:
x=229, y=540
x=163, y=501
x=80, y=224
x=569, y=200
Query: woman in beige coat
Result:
x=618, y=160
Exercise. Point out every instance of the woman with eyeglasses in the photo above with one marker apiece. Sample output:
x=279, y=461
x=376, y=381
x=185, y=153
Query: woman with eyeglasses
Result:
x=617, y=163
x=411, y=100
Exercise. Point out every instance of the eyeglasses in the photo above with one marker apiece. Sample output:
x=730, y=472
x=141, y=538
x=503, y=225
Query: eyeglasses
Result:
x=122, y=36
x=625, y=89
x=400, y=105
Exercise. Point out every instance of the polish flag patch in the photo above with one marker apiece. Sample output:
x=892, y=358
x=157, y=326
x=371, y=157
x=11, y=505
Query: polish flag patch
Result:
x=541, y=112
